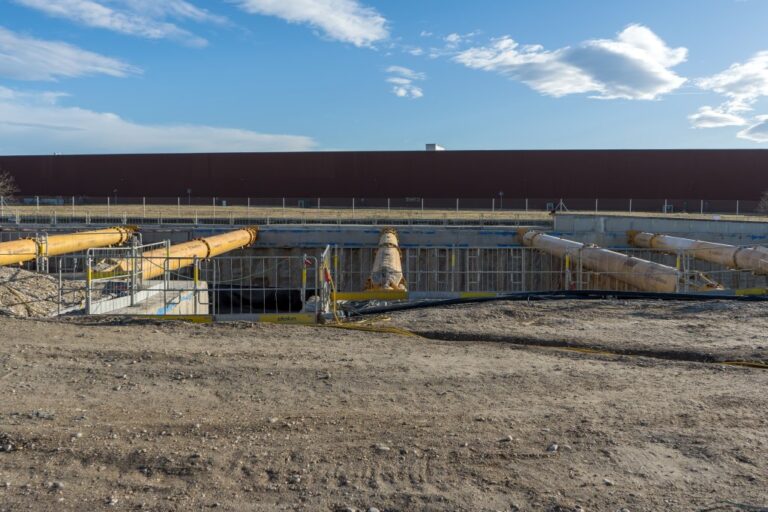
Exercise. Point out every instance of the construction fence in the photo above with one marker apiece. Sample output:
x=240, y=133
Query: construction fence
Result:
x=212, y=207
x=303, y=286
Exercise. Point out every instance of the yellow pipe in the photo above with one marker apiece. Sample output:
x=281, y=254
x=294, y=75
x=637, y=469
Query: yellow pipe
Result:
x=153, y=263
x=19, y=251
x=642, y=274
x=387, y=272
x=747, y=258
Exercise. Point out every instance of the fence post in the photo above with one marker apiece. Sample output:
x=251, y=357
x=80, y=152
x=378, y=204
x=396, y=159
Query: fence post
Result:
x=630, y=206
x=702, y=206
x=134, y=267
x=353, y=206
x=457, y=204
x=108, y=207
x=73, y=206
x=283, y=203
x=178, y=206
x=195, y=281
x=422, y=204
x=143, y=206
x=665, y=206
x=304, y=281
x=88, y=282
x=318, y=203
x=37, y=202
x=596, y=200
x=388, y=205
x=737, y=207
x=493, y=204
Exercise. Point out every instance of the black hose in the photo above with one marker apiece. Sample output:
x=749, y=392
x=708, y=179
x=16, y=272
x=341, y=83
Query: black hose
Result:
x=560, y=295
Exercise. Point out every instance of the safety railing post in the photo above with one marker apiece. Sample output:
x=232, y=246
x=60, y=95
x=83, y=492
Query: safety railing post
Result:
x=88, y=283
x=134, y=270
x=213, y=283
x=305, y=262
x=61, y=295
x=195, y=282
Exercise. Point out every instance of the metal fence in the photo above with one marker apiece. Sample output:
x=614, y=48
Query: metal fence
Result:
x=223, y=286
x=521, y=269
x=143, y=206
x=250, y=285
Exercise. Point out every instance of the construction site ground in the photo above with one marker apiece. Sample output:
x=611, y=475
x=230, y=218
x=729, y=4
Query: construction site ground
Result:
x=555, y=406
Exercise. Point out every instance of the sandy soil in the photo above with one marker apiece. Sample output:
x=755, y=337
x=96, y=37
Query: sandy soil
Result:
x=110, y=416
x=697, y=331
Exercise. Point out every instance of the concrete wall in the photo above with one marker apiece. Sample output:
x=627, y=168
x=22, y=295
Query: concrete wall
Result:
x=177, y=299
x=611, y=231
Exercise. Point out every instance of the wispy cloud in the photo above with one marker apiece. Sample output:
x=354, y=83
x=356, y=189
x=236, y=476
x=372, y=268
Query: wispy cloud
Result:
x=38, y=123
x=402, y=80
x=741, y=85
x=141, y=18
x=343, y=20
x=636, y=65
x=758, y=132
x=27, y=58
x=708, y=117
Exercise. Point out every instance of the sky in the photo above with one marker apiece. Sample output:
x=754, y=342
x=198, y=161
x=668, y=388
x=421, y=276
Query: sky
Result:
x=149, y=76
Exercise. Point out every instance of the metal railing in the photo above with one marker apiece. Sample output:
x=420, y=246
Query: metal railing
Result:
x=248, y=286
x=522, y=269
x=211, y=206
x=225, y=286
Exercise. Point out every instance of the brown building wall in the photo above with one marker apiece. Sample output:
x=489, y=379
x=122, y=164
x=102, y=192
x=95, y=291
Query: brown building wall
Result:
x=651, y=174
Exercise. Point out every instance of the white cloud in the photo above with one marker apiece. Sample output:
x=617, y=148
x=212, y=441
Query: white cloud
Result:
x=636, y=65
x=402, y=80
x=758, y=132
x=453, y=38
x=743, y=84
x=708, y=117
x=406, y=73
x=26, y=58
x=37, y=123
x=142, y=18
x=343, y=20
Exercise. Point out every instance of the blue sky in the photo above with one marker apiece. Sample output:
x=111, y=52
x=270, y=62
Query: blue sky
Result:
x=107, y=76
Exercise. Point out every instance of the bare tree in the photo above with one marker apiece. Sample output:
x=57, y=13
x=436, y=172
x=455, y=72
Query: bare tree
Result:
x=762, y=206
x=7, y=185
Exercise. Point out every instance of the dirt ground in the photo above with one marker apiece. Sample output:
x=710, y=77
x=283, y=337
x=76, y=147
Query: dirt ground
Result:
x=111, y=415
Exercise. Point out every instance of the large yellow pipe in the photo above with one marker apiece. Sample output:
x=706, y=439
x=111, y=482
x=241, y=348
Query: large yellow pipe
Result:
x=387, y=272
x=747, y=258
x=642, y=274
x=153, y=263
x=19, y=251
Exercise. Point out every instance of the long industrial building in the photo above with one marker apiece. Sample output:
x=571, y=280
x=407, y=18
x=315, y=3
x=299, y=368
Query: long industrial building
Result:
x=610, y=175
